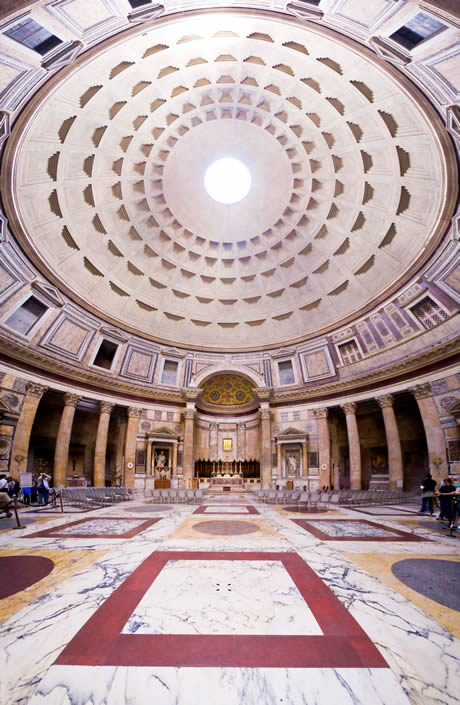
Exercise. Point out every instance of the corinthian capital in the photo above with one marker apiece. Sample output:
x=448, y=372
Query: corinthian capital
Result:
x=189, y=414
x=265, y=414
x=105, y=407
x=35, y=390
x=385, y=400
x=421, y=391
x=71, y=399
x=321, y=413
x=349, y=407
x=134, y=411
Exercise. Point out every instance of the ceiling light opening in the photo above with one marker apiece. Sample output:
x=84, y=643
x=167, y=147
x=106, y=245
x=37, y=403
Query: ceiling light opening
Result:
x=227, y=180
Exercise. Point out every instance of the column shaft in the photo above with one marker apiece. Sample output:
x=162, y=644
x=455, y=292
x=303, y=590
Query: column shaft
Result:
x=101, y=444
x=433, y=431
x=353, y=446
x=130, y=445
x=20, y=449
x=395, y=461
x=189, y=436
x=265, y=448
x=305, y=471
x=61, y=453
x=324, y=446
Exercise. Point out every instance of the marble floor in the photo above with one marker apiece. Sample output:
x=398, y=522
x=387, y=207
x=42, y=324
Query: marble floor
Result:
x=226, y=603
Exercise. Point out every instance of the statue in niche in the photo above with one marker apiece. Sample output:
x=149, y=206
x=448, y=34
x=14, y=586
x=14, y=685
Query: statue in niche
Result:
x=161, y=460
x=292, y=464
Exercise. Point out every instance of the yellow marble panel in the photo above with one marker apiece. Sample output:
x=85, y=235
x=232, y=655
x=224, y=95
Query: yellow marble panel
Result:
x=186, y=531
x=379, y=565
x=66, y=564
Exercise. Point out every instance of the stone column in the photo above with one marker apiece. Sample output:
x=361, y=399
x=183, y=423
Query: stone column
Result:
x=20, y=450
x=279, y=469
x=324, y=445
x=213, y=427
x=353, y=445
x=189, y=436
x=130, y=445
x=433, y=431
x=395, y=462
x=101, y=443
x=61, y=453
x=265, y=448
x=241, y=438
x=305, y=472
x=174, y=460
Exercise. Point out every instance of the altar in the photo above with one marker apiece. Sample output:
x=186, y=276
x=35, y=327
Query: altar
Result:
x=231, y=480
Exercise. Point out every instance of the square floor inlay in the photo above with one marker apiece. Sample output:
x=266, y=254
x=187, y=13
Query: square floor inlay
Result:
x=216, y=597
x=100, y=528
x=129, y=630
x=230, y=509
x=354, y=530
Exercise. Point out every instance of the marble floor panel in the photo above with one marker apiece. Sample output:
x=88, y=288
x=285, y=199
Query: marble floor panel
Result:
x=175, y=616
x=234, y=509
x=100, y=527
x=354, y=529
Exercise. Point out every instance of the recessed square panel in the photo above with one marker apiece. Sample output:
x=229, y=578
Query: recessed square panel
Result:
x=100, y=528
x=354, y=530
x=128, y=629
x=226, y=509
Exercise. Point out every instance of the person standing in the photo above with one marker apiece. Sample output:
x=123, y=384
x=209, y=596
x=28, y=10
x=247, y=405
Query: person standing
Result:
x=446, y=492
x=427, y=488
x=43, y=488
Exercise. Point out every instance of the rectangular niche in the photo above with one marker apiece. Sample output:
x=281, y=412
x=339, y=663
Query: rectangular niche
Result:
x=105, y=355
x=169, y=374
x=23, y=319
x=286, y=372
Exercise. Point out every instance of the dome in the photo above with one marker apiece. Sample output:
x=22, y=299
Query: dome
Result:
x=351, y=184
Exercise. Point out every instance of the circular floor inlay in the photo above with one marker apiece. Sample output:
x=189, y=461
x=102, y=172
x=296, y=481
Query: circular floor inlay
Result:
x=306, y=510
x=434, y=578
x=20, y=572
x=149, y=508
x=11, y=523
x=226, y=528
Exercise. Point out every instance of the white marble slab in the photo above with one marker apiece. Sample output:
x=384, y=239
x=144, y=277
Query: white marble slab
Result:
x=82, y=685
x=226, y=510
x=351, y=528
x=103, y=526
x=217, y=597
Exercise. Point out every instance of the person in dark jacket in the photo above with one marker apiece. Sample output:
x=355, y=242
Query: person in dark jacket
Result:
x=427, y=488
x=446, y=492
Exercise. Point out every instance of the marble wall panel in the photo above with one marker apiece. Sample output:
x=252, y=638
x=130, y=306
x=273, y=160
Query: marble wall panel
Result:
x=139, y=364
x=69, y=335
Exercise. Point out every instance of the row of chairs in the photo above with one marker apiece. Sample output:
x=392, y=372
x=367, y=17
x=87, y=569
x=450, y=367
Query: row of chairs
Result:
x=336, y=497
x=176, y=496
x=91, y=497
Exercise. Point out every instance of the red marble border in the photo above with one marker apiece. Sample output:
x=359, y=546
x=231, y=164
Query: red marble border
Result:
x=343, y=643
x=398, y=535
x=56, y=532
x=204, y=507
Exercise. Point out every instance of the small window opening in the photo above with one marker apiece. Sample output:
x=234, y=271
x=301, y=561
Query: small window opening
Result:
x=415, y=31
x=30, y=34
x=286, y=372
x=105, y=354
x=169, y=372
x=26, y=316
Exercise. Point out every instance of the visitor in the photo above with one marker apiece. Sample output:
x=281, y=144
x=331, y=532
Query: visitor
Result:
x=3, y=483
x=445, y=493
x=43, y=488
x=427, y=488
